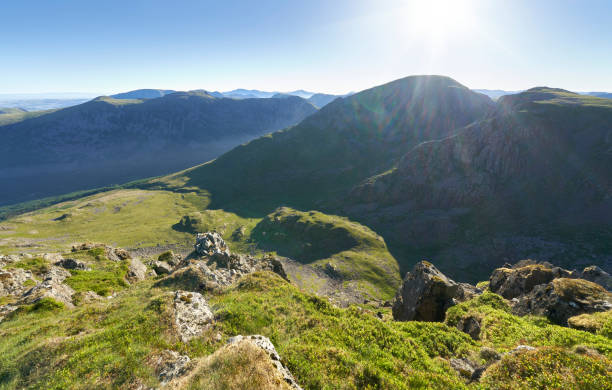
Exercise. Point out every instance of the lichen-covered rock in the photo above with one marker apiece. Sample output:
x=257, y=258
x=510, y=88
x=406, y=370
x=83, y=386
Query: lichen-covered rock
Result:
x=597, y=275
x=514, y=282
x=266, y=345
x=136, y=271
x=425, y=295
x=464, y=367
x=172, y=365
x=564, y=298
x=210, y=243
x=192, y=315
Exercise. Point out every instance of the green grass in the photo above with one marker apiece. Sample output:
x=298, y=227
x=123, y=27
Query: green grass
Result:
x=37, y=265
x=503, y=331
x=311, y=237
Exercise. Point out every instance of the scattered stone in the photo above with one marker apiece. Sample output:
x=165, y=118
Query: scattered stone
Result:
x=192, y=315
x=425, y=295
x=209, y=244
x=470, y=325
x=265, y=344
x=514, y=282
x=597, y=275
x=136, y=271
x=331, y=270
x=9, y=259
x=5, y=310
x=170, y=258
x=466, y=292
x=521, y=348
x=85, y=246
x=463, y=366
x=72, y=264
x=52, y=257
x=172, y=365
x=564, y=298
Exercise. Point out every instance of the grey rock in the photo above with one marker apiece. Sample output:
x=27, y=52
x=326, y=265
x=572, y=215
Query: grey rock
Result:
x=136, y=271
x=13, y=282
x=72, y=264
x=470, y=325
x=514, y=282
x=521, y=348
x=192, y=315
x=425, y=295
x=210, y=243
x=463, y=366
x=265, y=344
x=172, y=365
x=51, y=287
x=564, y=298
x=161, y=267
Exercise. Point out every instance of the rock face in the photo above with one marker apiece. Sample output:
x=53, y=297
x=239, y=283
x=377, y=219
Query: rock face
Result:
x=266, y=345
x=470, y=325
x=514, y=282
x=425, y=295
x=192, y=315
x=210, y=244
x=51, y=287
x=564, y=298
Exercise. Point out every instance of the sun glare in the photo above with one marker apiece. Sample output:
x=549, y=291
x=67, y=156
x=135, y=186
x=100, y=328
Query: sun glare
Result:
x=439, y=19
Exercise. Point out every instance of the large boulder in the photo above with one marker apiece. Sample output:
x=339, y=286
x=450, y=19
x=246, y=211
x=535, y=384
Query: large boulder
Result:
x=564, y=298
x=136, y=271
x=266, y=345
x=514, y=282
x=425, y=295
x=192, y=315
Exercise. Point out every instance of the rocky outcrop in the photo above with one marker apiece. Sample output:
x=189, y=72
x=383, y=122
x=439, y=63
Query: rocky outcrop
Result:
x=210, y=244
x=514, y=282
x=192, y=315
x=597, y=275
x=564, y=298
x=114, y=254
x=161, y=267
x=51, y=287
x=15, y=281
x=425, y=295
x=266, y=345
x=189, y=278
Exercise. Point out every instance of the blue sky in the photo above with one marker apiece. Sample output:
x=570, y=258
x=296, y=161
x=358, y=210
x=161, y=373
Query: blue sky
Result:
x=331, y=46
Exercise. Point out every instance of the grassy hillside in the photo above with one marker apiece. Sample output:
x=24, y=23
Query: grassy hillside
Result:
x=115, y=342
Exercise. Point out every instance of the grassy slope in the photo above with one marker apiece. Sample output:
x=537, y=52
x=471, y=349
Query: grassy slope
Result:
x=113, y=343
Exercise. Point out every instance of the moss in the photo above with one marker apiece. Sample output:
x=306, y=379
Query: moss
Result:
x=37, y=265
x=599, y=323
x=548, y=368
x=166, y=256
x=572, y=289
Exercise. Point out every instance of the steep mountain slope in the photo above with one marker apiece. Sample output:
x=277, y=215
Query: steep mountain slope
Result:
x=108, y=141
x=537, y=177
x=345, y=142
x=320, y=100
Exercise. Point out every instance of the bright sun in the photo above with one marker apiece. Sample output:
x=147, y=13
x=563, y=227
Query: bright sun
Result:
x=438, y=19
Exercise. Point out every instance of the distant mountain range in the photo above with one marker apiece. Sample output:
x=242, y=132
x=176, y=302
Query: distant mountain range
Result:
x=109, y=141
x=497, y=93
